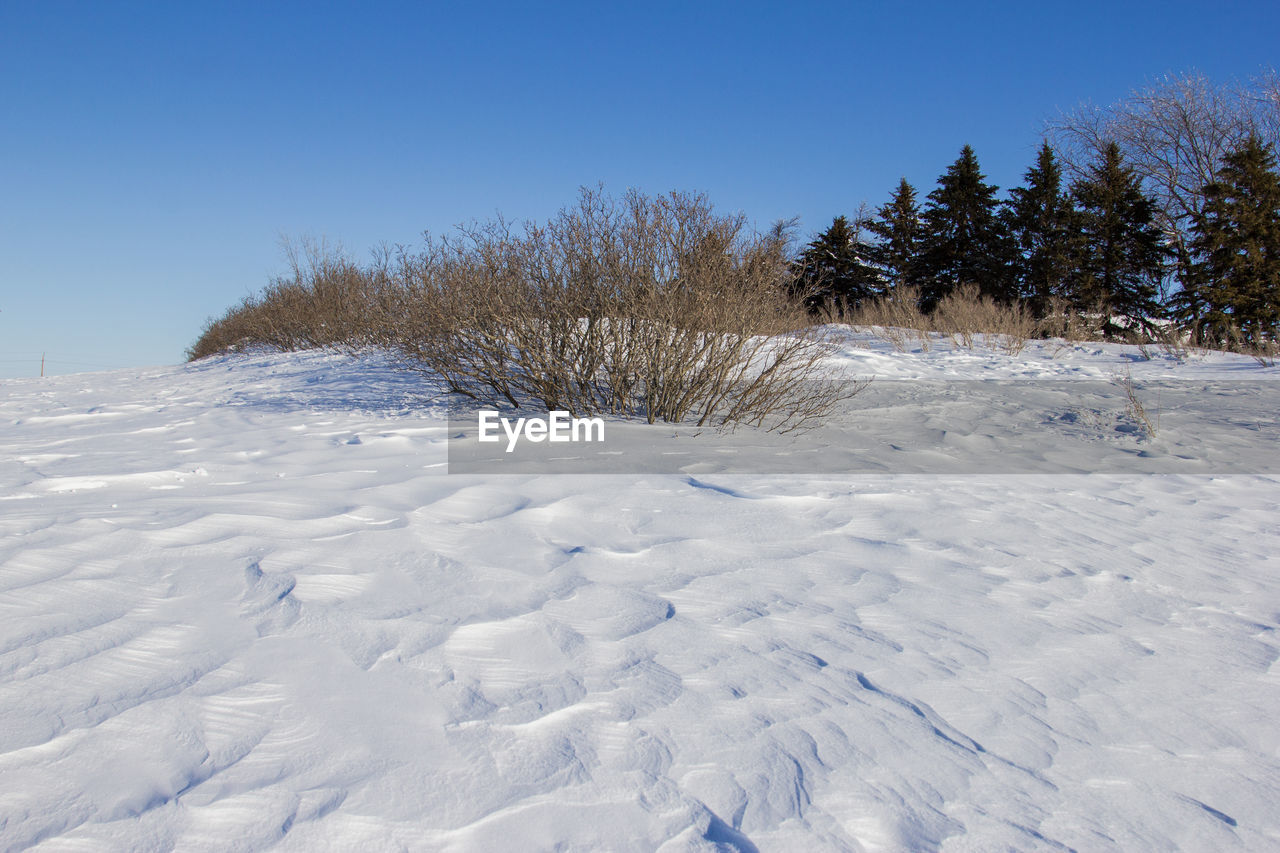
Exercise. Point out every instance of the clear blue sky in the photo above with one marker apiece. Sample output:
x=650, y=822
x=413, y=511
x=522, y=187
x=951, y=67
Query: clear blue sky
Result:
x=153, y=155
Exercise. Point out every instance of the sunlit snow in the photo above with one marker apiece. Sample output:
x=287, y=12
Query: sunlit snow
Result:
x=244, y=605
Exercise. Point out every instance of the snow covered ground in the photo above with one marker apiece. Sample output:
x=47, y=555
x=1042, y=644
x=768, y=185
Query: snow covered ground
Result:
x=243, y=605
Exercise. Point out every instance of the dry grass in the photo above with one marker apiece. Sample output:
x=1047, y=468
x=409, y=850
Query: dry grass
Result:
x=1065, y=322
x=1137, y=410
x=1172, y=342
x=1265, y=353
x=1262, y=350
x=965, y=318
x=895, y=318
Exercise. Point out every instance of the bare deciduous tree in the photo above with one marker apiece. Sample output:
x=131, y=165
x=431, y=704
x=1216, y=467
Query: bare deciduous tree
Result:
x=1173, y=133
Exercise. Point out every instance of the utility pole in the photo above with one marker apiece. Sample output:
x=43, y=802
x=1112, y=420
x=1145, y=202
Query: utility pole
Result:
x=42, y=365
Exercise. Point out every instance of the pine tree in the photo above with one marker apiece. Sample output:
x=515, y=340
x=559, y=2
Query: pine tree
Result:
x=1237, y=242
x=899, y=228
x=964, y=241
x=1041, y=221
x=1122, y=256
x=833, y=271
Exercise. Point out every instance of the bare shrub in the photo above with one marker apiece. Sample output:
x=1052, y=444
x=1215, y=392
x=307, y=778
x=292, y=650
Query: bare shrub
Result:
x=650, y=307
x=326, y=300
x=640, y=307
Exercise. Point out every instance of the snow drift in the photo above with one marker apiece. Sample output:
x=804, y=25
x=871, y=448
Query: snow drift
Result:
x=244, y=605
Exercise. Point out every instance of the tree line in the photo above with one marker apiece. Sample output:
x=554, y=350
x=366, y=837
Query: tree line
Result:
x=1162, y=208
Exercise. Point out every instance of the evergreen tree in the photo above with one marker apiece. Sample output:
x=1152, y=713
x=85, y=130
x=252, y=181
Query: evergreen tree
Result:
x=1122, y=256
x=1041, y=221
x=964, y=240
x=1186, y=305
x=833, y=271
x=899, y=228
x=1237, y=243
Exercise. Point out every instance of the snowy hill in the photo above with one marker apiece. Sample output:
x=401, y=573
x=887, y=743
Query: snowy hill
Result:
x=243, y=605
